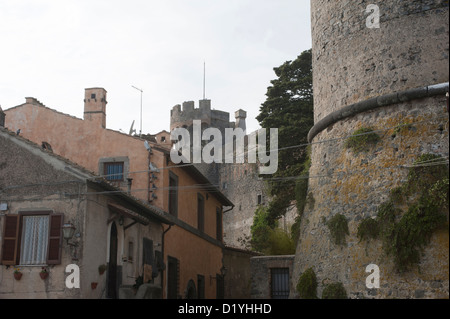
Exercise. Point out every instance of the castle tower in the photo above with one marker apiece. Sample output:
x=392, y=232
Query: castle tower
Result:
x=391, y=78
x=240, y=116
x=95, y=106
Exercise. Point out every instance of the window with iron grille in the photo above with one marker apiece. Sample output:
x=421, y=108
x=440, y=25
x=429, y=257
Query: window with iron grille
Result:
x=279, y=288
x=113, y=171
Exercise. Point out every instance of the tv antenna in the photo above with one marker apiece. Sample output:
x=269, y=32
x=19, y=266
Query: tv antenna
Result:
x=140, y=90
x=204, y=78
x=132, y=130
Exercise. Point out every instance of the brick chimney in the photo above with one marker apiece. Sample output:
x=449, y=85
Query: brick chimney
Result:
x=95, y=106
x=2, y=117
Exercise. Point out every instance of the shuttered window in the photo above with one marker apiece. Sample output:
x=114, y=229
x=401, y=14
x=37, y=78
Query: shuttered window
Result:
x=10, y=240
x=32, y=239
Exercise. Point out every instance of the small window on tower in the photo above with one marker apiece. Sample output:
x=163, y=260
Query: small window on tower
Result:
x=93, y=96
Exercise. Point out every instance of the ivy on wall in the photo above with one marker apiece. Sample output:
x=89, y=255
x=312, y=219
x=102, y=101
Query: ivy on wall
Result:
x=412, y=213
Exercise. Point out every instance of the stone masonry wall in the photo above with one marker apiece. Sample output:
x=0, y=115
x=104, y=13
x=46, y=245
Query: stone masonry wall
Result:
x=354, y=185
x=353, y=64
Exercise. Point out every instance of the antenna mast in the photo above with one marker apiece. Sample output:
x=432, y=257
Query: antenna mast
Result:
x=204, y=78
x=140, y=131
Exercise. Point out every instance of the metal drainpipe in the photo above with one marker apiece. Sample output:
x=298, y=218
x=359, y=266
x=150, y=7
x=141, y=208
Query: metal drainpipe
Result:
x=148, y=178
x=162, y=253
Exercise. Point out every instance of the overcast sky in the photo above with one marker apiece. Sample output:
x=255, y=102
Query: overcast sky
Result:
x=52, y=50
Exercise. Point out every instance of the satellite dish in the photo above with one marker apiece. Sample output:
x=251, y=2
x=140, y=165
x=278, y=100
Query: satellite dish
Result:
x=131, y=129
x=147, y=146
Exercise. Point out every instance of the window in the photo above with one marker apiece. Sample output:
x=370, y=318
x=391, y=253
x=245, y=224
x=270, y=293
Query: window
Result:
x=113, y=171
x=218, y=224
x=259, y=199
x=173, y=194
x=93, y=96
x=173, y=277
x=130, y=251
x=32, y=238
x=201, y=286
x=200, y=213
x=279, y=288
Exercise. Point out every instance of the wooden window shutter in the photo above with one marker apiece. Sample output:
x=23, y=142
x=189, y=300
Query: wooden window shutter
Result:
x=10, y=239
x=55, y=239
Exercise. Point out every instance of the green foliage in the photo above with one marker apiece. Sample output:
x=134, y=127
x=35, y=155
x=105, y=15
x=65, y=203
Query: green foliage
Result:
x=425, y=195
x=280, y=243
x=267, y=238
x=307, y=285
x=338, y=227
x=362, y=139
x=288, y=107
x=260, y=230
x=368, y=228
x=411, y=234
x=401, y=128
x=334, y=291
x=301, y=195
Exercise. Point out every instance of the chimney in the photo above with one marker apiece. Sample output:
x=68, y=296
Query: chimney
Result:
x=95, y=106
x=240, y=116
x=2, y=117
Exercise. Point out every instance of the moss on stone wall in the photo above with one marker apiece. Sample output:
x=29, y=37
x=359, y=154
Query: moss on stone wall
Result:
x=362, y=139
x=338, y=227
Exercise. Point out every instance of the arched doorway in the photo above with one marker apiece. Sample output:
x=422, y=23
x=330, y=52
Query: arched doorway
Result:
x=112, y=265
x=191, y=292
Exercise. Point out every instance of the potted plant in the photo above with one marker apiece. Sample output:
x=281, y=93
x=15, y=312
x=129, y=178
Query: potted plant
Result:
x=17, y=273
x=101, y=269
x=43, y=273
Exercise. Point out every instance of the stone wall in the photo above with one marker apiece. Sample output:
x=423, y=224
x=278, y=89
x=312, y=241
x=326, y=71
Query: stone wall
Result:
x=355, y=185
x=261, y=273
x=352, y=63
x=360, y=79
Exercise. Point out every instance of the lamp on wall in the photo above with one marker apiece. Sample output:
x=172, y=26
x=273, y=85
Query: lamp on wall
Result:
x=68, y=232
x=223, y=272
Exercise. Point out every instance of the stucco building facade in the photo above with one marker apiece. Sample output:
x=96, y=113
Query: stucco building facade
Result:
x=193, y=245
x=42, y=193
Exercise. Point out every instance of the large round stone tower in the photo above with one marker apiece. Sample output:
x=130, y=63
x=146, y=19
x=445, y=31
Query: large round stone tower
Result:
x=380, y=67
